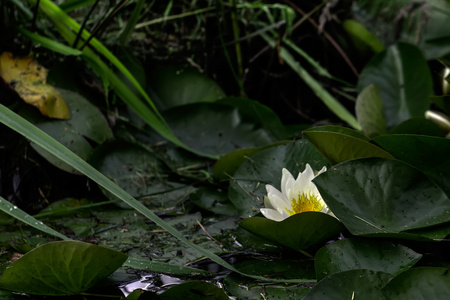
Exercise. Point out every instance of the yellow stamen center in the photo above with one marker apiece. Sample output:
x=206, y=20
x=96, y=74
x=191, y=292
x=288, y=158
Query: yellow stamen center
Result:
x=305, y=202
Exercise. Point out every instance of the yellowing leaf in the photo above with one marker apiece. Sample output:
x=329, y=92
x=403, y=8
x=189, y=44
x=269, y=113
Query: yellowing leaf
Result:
x=28, y=79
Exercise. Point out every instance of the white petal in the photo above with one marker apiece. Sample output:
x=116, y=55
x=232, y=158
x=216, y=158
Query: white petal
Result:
x=273, y=192
x=280, y=204
x=272, y=214
x=267, y=203
x=323, y=170
x=287, y=180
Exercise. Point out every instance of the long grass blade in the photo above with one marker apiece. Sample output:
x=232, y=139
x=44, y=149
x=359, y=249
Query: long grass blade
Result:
x=22, y=216
x=335, y=106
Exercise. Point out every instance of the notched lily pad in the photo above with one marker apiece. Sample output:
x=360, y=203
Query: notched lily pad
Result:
x=419, y=283
x=194, y=290
x=79, y=134
x=216, y=128
x=353, y=284
x=382, y=196
x=299, y=231
x=354, y=253
x=214, y=201
x=61, y=268
x=339, y=145
x=173, y=86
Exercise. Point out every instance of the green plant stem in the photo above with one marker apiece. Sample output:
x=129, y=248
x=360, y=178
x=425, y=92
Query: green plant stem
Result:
x=129, y=28
x=236, y=35
x=335, y=106
x=173, y=17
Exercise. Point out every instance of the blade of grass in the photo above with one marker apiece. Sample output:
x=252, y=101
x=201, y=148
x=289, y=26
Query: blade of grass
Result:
x=131, y=23
x=335, y=106
x=22, y=216
x=48, y=43
x=162, y=267
x=70, y=5
x=34, y=134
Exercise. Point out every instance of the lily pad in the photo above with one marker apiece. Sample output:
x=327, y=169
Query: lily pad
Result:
x=298, y=232
x=354, y=253
x=87, y=125
x=61, y=268
x=426, y=153
x=245, y=289
x=194, y=290
x=174, y=86
x=419, y=283
x=418, y=125
x=369, y=111
x=378, y=195
x=260, y=113
x=402, y=74
x=230, y=162
x=215, y=128
x=338, y=145
x=353, y=284
x=214, y=201
x=247, y=187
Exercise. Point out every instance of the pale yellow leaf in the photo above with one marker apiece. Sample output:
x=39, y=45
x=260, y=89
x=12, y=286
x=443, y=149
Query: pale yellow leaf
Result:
x=28, y=79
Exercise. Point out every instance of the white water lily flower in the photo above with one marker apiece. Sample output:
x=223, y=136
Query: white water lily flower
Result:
x=296, y=196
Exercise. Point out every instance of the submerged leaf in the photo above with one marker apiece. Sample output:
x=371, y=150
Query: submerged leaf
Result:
x=28, y=79
x=61, y=268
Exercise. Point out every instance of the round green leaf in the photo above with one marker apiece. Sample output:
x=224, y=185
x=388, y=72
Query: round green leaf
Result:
x=339, y=129
x=86, y=124
x=174, y=86
x=377, y=195
x=247, y=188
x=354, y=253
x=353, y=284
x=61, y=268
x=230, y=162
x=402, y=74
x=299, y=231
x=214, y=201
x=260, y=113
x=340, y=146
x=428, y=154
x=215, y=129
x=369, y=111
x=279, y=268
x=417, y=125
x=243, y=288
x=194, y=290
x=419, y=283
